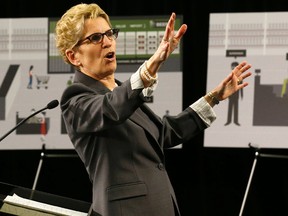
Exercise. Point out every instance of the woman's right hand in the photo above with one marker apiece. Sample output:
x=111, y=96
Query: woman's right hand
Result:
x=169, y=43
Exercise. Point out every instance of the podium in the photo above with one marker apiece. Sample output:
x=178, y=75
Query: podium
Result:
x=16, y=200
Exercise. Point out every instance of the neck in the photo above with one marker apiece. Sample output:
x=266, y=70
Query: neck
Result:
x=109, y=83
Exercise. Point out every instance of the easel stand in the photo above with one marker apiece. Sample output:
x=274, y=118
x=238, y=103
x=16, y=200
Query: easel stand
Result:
x=42, y=156
x=257, y=155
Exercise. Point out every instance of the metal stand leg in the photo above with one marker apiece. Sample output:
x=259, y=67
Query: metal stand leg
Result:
x=39, y=167
x=249, y=183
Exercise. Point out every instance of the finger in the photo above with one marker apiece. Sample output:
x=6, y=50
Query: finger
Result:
x=241, y=68
x=181, y=32
x=245, y=68
x=169, y=27
x=240, y=79
x=245, y=75
x=244, y=84
x=227, y=79
x=173, y=16
x=241, y=65
x=236, y=80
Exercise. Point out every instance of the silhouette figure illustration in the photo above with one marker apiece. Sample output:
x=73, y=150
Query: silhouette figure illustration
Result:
x=233, y=104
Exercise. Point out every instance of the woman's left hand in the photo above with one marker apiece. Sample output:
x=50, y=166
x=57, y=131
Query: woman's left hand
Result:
x=233, y=82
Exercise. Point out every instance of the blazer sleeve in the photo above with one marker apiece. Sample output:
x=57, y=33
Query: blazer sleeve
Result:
x=182, y=127
x=98, y=108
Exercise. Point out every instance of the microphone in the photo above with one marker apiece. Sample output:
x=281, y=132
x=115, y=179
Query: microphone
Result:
x=50, y=105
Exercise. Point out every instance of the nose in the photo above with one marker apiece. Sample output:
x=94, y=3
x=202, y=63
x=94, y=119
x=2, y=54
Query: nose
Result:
x=107, y=41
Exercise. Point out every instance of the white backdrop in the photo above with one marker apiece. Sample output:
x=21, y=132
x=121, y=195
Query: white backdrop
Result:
x=262, y=40
x=29, y=41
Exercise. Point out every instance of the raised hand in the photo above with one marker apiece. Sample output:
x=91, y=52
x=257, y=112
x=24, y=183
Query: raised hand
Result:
x=233, y=82
x=170, y=39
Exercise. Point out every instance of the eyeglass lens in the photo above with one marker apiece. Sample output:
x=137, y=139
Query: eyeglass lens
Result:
x=97, y=37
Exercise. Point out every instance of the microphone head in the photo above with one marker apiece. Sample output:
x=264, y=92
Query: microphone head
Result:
x=52, y=104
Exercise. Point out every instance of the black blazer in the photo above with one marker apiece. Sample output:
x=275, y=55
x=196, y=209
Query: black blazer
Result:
x=121, y=142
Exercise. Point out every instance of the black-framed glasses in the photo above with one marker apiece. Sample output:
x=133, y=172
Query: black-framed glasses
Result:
x=98, y=37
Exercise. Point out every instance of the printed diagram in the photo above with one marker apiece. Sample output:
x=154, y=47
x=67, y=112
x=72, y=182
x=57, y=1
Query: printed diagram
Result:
x=260, y=39
x=270, y=101
x=32, y=71
x=262, y=35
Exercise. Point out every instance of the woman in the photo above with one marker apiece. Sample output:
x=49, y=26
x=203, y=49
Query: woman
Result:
x=118, y=138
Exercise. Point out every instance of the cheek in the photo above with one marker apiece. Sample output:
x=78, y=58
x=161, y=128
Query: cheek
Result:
x=91, y=55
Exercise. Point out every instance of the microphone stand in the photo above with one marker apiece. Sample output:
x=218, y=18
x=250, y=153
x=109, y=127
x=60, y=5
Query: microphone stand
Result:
x=51, y=105
x=39, y=167
x=257, y=155
x=42, y=156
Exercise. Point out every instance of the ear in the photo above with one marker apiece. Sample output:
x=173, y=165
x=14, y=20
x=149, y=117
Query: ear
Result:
x=70, y=54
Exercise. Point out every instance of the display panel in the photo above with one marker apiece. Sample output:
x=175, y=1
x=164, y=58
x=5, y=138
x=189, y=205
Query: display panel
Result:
x=33, y=74
x=258, y=114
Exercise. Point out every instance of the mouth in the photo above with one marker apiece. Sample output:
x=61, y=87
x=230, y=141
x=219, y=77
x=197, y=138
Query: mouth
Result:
x=110, y=55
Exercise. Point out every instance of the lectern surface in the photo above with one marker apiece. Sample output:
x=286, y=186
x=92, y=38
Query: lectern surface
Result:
x=16, y=200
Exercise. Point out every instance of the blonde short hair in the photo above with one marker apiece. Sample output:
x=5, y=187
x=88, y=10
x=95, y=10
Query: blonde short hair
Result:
x=69, y=29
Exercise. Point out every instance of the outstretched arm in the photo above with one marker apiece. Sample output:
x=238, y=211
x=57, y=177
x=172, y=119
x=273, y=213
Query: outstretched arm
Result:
x=232, y=83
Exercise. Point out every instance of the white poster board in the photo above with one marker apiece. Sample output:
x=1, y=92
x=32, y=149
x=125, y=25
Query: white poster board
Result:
x=26, y=42
x=261, y=112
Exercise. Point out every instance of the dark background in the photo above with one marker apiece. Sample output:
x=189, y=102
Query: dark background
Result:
x=207, y=181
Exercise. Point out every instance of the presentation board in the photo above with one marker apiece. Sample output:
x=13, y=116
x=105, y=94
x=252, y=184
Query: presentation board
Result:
x=258, y=114
x=32, y=74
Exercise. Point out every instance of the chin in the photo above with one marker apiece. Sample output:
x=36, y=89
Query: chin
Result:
x=112, y=68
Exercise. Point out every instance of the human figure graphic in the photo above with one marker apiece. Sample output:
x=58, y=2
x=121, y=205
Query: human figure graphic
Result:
x=43, y=129
x=166, y=113
x=34, y=119
x=284, y=88
x=30, y=75
x=233, y=104
x=70, y=81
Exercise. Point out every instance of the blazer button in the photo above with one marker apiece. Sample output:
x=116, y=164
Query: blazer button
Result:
x=161, y=166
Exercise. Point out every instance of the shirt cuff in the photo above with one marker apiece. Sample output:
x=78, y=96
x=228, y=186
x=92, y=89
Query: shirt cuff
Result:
x=137, y=83
x=204, y=111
